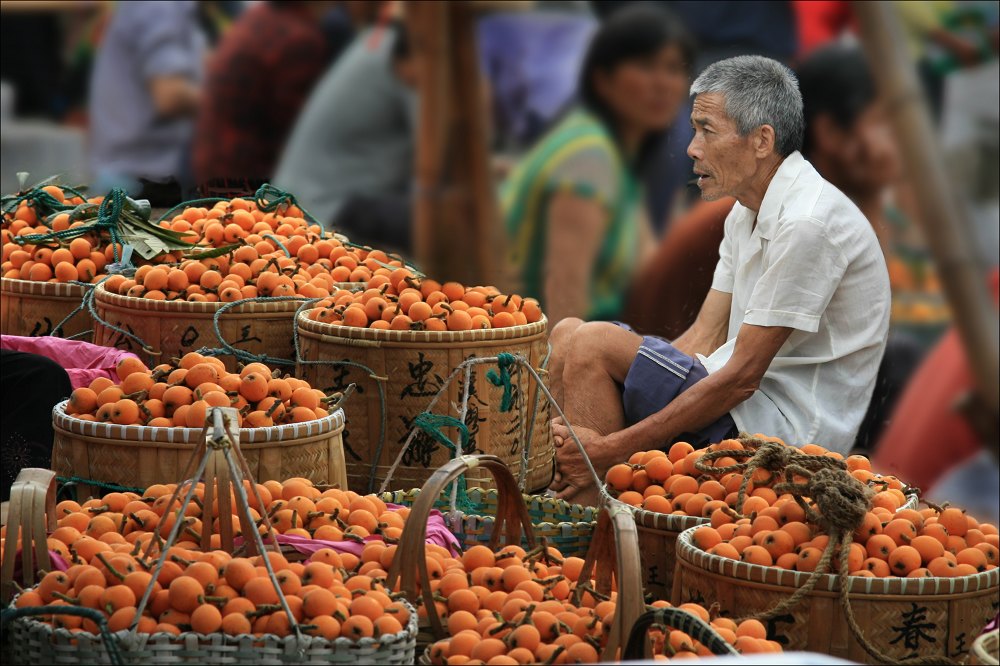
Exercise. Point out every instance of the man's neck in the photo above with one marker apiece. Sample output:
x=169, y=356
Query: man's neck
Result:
x=754, y=196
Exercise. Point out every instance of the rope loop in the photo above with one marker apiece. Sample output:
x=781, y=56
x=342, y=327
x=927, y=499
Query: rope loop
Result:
x=505, y=361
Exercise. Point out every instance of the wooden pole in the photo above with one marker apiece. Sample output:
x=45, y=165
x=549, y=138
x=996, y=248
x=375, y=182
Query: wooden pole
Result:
x=944, y=219
x=456, y=235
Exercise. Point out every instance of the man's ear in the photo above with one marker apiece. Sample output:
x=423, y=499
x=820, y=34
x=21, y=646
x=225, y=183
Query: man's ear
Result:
x=764, y=141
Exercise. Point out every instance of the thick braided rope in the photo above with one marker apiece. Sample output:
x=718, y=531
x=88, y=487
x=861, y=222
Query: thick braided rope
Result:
x=842, y=502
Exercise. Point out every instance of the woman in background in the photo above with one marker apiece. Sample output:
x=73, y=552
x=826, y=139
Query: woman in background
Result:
x=573, y=207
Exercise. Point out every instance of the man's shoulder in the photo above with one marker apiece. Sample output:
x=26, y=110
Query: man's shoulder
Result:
x=813, y=199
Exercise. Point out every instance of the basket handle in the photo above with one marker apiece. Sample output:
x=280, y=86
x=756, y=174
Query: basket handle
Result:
x=31, y=514
x=675, y=618
x=614, y=551
x=410, y=564
x=95, y=616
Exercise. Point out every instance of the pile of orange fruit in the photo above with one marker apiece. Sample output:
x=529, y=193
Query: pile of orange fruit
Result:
x=668, y=482
x=908, y=543
x=397, y=299
x=179, y=394
x=214, y=592
x=82, y=258
x=517, y=607
x=125, y=523
x=336, y=594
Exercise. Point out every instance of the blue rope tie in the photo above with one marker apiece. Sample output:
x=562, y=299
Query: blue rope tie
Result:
x=432, y=424
x=108, y=216
x=113, y=487
x=505, y=361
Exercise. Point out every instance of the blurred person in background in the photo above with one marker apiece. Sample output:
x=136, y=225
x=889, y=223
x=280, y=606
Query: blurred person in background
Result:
x=573, y=206
x=945, y=36
x=849, y=140
x=349, y=159
x=256, y=83
x=144, y=93
x=30, y=386
x=939, y=435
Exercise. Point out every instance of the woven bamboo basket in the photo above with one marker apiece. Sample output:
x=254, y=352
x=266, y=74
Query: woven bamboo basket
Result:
x=140, y=456
x=412, y=366
x=175, y=328
x=658, y=534
x=613, y=555
x=901, y=617
x=568, y=527
x=30, y=308
x=34, y=642
x=986, y=649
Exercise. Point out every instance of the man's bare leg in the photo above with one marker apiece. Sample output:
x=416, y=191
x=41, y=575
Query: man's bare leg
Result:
x=599, y=358
x=561, y=339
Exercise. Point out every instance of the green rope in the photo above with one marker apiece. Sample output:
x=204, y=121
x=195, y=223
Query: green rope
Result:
x=37, y=198
x=187, y=204
x=113, y=487
x=432, y=424
x=107, y=218
x=279, y=244
x=269, y=198
x=505, y=361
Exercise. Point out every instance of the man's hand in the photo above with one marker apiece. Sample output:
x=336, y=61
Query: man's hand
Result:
x=573, y=481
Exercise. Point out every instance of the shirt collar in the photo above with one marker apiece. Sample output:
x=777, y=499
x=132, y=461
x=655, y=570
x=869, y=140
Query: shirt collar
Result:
x=770, y=207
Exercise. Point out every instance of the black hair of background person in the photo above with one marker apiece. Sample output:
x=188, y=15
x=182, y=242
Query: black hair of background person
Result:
x=633, y=32
x=836, y=81
x=30, y=386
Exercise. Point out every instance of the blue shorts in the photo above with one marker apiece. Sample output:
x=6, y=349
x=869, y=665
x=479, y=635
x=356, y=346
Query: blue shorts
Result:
x=660, y=373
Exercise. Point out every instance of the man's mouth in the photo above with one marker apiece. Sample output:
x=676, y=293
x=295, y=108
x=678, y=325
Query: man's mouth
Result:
x=701, y=177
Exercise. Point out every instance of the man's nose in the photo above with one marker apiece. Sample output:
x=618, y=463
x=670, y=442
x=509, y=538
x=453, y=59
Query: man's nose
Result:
x=694, y=148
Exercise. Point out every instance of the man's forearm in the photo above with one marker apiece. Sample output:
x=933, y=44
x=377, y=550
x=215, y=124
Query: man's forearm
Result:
x=699, y=406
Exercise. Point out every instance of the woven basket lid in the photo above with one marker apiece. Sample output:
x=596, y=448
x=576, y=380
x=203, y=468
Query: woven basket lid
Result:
x=203, y=308
x=444, y=337
x=860, y=585
x=137, y=433
x=33, y=288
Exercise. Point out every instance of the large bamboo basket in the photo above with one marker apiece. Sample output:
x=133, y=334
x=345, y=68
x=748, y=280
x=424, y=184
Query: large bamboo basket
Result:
x=568, y=527
x=34, y=642
x=30, y=308
x=175, y=328
x=140, y=456
x=613, y=556
x=658, y=534
x=901, y=617
x=412, y=366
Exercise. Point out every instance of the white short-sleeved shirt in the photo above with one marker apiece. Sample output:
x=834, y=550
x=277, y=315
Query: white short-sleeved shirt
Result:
x=811, y=263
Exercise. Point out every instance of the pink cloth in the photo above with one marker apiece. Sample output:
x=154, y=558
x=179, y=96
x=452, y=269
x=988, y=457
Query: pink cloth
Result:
x=58, y=563
x=437, y=533
x=82, y=361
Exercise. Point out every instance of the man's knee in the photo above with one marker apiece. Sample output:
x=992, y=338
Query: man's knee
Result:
x=604, y=343
x=562, y=333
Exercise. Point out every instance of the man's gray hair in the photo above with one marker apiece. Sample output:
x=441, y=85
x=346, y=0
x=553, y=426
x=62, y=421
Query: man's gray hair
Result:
x=758, y=91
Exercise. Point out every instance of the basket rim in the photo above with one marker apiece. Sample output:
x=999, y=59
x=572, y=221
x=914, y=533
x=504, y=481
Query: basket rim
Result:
x=893, y=586
x=384, y=335
x=588, y=513
x=135, y=433
x=672, y=522
x=408, y=633
x=104, y=296
x=35, y=288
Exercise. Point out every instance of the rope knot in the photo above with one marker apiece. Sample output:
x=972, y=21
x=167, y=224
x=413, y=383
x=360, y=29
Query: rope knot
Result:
x=505, y=361
x=773, y=457
x=841, y=499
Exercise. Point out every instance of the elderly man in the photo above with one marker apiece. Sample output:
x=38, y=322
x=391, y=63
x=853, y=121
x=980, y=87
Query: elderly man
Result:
x=789, y=338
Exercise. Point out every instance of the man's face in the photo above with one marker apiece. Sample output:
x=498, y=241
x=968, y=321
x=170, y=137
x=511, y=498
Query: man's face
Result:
x=724, y=161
